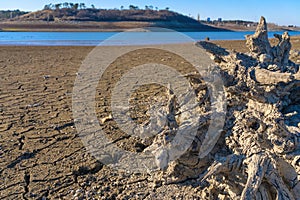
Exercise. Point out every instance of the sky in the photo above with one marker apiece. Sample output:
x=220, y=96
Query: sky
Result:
x=281, y=12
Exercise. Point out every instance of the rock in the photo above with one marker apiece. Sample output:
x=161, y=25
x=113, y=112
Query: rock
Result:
x=259, y=47
x=265, y=58
x=282, y=50
x=295, y=56
x=212, y=48
x=265, y=77
x=215, y=58
x=273, y=67
x=259, y=43
x=105, y=119
x=294, y=53
x=255, y=156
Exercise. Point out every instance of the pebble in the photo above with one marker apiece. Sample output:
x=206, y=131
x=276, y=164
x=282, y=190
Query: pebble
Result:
x=46, y=77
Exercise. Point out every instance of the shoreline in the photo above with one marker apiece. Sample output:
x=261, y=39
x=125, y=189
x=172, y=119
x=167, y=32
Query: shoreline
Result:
x=123, y=30
x=104, y=26
x=236, y=44
x=105, y=30
x=119, y=26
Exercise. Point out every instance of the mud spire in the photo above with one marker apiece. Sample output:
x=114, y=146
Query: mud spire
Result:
x=259, y=43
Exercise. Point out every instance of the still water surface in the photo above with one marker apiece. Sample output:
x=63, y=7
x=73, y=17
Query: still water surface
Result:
x=95, y=38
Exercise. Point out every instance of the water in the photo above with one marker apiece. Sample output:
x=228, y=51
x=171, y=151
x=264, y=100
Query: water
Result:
x=94, y=38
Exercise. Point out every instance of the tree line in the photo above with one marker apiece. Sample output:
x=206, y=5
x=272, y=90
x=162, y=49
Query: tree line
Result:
x=58, y=6
x=77, y=6
x=8, y=14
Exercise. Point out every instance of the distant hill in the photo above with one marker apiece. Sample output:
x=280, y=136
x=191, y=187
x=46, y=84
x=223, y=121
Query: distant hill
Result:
x=75, y=17
x=69, y=14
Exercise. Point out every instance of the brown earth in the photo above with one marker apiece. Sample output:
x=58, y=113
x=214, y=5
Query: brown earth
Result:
x=71, y=26
x=102, y=26
x=107, y=26
x=41, y=156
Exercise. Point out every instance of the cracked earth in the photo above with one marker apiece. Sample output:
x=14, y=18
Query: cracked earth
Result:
x=41, y=156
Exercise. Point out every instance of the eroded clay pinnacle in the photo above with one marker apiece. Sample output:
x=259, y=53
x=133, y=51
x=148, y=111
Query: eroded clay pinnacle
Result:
x=259, y=43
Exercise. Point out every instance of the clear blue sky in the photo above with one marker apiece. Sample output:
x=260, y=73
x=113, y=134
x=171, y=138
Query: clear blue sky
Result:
x=282, y=12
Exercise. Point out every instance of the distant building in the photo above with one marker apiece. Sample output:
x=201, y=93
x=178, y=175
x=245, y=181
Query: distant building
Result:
x=208, y=19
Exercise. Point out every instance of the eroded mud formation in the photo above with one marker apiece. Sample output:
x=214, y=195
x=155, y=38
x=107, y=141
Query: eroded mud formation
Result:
x=257, y=153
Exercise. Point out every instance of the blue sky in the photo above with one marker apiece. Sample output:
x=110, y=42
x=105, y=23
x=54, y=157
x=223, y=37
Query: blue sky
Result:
x=283, y=12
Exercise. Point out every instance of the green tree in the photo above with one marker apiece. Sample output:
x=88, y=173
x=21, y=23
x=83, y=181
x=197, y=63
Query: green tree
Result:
x=47, y=7
x=82, y=6
x=66, y=5
x=76, y=5
x=132, y=7
x=57, y=6
x=93, y=6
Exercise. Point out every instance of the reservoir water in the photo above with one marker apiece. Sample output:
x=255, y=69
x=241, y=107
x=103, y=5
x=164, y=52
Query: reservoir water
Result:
x=95, y=38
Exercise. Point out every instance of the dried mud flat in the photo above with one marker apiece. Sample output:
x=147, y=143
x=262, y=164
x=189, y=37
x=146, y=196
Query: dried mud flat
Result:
x=41, y=156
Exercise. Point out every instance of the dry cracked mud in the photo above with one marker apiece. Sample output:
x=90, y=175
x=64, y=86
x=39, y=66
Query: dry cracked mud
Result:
x=42, y=157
